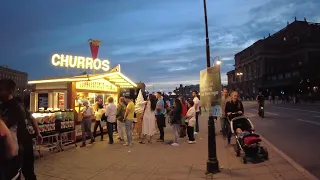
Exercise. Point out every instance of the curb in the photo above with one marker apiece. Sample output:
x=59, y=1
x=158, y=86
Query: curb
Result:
x=302, y=170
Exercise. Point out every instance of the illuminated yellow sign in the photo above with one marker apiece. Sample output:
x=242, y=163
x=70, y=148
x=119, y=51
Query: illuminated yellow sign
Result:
x=96, y=85
x=80, y=62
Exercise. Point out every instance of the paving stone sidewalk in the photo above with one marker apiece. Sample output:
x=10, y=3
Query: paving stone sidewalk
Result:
x=159, y=161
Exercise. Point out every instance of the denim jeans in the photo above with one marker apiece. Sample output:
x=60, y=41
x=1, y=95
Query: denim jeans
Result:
x=175, y=131
x=128, y=124
x=110, y=132
x=197, y=122
x=161, y=124
x=121, y=126
x=86, y=129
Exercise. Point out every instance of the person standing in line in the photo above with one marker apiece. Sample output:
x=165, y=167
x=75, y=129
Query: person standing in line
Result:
x=197, y=109
x=121, y=109
x=28, y=157
x=160, y=116
x=190, y=122
x=98, y=114
x=8, y=149
x=13, y=115
x=183, y=127
x=176, y=121
x=128, y=117
x=223, y=118
x=111, y=113
x=87, y=113
x=149, y=119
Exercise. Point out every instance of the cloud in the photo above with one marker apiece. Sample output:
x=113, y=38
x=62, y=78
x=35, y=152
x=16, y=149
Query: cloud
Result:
x=159, y=42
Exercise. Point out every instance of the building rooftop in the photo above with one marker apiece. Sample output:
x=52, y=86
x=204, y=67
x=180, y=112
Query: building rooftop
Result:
x=6, y=68
x=289, y=26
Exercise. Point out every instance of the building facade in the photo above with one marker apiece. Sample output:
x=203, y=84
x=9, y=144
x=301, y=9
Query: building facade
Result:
x=20, y=78
x=283, y=63
x=186, y=91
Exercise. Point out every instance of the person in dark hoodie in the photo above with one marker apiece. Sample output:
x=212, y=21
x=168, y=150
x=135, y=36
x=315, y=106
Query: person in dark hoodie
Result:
x=13, y=115
x=176, y=121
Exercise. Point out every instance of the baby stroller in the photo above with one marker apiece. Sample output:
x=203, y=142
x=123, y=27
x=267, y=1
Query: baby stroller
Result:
x=248, y=142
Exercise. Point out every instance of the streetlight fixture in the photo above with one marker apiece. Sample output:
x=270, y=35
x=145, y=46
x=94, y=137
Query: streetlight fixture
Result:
x=212, y=163
x=216, y=60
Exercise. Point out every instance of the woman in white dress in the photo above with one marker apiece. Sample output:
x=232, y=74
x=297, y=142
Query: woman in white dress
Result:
x=149, y=119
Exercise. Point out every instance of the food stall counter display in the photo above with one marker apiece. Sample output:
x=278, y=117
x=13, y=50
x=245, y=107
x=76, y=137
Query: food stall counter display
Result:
x=46, y=122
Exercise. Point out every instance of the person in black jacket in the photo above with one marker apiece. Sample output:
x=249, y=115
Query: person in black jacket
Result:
x=176, y=121
x=13, y=115
x=233, y=108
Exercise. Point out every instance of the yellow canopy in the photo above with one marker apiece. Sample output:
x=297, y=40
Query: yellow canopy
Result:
x=114, y=76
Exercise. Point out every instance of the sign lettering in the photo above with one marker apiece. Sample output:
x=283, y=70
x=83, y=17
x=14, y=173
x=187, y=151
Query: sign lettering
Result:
x=79, y=62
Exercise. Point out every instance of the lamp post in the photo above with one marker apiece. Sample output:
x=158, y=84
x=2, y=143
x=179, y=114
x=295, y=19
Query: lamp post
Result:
x=212, y=163
x=240, y=74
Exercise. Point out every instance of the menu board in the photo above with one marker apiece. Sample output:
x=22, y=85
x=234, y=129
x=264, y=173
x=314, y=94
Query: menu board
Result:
x=61, y=100
x=43, y=100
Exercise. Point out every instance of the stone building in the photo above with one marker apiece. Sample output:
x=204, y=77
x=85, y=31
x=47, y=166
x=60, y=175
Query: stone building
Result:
x=283, y=63
x=186, y=91
x=20, y=78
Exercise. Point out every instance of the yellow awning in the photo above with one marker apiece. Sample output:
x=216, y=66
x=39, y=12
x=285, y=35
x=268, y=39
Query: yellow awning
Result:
x=114, y=76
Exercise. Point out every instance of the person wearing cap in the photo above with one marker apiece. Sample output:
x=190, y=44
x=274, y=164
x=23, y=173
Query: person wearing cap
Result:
x=87, y=113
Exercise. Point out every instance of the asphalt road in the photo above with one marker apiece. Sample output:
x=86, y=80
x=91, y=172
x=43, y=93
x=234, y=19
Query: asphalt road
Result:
x=292, y=128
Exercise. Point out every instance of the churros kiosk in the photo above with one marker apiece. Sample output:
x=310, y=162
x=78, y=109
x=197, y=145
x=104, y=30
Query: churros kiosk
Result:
x=67, y=94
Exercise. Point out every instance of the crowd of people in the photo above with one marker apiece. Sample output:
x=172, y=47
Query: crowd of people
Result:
x=122, y=119
x=16, y=145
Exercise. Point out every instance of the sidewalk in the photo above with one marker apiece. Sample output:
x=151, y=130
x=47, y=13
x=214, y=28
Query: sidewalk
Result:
x=159, y=161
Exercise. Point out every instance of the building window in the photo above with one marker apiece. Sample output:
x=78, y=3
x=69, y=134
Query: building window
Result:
x=274, y=78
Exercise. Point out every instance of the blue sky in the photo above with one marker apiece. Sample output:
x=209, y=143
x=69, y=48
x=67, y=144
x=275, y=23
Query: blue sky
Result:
x=159, y=42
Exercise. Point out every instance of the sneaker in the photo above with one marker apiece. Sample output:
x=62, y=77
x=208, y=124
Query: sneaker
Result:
x=92, y=141
x=174, y=144
x=190, y=142
x=195, y=132
x=127, y=144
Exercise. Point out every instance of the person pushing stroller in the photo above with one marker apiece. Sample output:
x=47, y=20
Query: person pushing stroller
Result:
x=233, y=108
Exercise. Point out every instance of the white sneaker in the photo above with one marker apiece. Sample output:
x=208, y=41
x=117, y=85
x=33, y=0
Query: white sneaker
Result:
x=126, y=144
x=191, y=142
x=195, y=132
x=174, y=144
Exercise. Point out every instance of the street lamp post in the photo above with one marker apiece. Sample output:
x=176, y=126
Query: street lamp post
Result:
x=212, y=163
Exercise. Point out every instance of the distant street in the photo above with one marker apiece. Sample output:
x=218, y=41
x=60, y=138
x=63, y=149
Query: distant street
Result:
x=292, y=128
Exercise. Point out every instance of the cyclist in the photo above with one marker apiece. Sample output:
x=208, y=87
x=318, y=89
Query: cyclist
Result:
x=260, y=99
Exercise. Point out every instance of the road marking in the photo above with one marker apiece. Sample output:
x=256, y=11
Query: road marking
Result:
x=297, y=109
x=311, y=122
x=267, y=112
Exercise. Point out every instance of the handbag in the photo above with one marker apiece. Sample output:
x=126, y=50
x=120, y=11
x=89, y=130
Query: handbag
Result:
x=104, y=118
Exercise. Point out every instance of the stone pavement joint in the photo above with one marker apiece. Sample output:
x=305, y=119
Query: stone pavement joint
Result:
x=160, y=161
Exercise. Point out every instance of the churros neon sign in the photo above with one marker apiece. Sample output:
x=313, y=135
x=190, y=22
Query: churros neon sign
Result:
x=79, y=62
